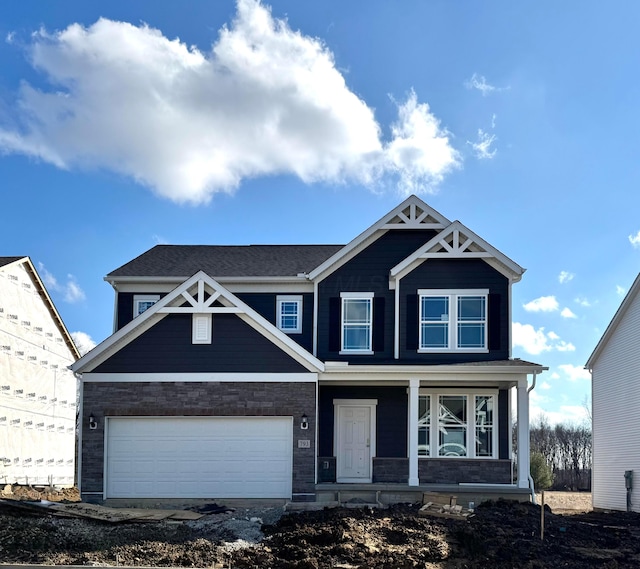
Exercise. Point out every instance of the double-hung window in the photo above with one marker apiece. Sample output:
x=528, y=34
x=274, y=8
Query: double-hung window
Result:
x=453, y=320
x=454, y=424
x=289, y=313
x=357, y=322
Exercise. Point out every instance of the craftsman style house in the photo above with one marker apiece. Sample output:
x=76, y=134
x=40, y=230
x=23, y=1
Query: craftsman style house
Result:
x=37, y=390
x=280, y=371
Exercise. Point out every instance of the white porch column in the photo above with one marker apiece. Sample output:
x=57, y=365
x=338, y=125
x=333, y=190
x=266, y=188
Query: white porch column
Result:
x=412, y=435
x=523, y=433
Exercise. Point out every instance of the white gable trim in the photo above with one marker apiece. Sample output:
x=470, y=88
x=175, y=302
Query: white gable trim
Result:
x=615, y=321
x=412, y=213
x=193, y=292
x=457, y=242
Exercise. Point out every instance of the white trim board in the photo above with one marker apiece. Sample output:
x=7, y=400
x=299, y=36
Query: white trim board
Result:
x=206, y=377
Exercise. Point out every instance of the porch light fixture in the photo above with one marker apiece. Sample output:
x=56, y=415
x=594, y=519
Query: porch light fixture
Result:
x=93, y=424
x=304, y=421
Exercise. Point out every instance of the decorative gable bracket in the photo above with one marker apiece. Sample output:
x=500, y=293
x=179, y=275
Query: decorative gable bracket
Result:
x=200, y=301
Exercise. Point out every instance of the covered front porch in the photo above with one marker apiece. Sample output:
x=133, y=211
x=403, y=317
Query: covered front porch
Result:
x=415, y=429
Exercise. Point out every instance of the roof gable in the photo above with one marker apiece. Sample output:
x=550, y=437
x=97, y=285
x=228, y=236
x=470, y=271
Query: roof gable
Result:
x=412, y=213
x=6, y=262
x=627, y=302
x=458, y=242
x=199, y=294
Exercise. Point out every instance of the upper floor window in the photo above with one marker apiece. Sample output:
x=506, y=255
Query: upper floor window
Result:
x=289, y=314
x=142, y=302
x=357, y=322
x=453, y=320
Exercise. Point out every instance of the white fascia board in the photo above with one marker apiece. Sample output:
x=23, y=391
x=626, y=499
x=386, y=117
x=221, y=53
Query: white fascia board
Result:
x=368, y=236
x=615, y=321
x=205, y=377
x=151, y=316
x=42, y=290
x=495, y=258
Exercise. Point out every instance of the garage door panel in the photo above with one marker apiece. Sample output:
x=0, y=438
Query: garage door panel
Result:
x=199, y=457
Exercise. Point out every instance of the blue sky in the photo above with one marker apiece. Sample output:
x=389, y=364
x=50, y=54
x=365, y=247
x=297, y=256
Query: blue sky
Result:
x=519, y=119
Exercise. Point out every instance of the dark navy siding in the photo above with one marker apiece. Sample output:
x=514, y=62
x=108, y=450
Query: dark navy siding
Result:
x=367, y=272
x=167, y=347
x=265, y=305
x=124, y=311
x=391, y=418
x=455, y=274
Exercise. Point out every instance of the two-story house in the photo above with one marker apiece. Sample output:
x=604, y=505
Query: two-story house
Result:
x=285, y=370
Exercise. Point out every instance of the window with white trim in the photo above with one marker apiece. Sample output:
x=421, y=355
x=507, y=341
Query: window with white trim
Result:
x=453, y=320
x=202, y=328
x=289, y=313
x=357, y=322
x=455, y=425
x=142, y=302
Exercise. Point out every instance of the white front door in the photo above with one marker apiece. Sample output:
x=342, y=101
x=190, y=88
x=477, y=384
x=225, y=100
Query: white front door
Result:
x=354, y=443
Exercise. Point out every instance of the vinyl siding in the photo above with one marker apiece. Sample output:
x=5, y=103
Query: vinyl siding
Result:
x=367, y=272
x=616, y=425
x=167, y=347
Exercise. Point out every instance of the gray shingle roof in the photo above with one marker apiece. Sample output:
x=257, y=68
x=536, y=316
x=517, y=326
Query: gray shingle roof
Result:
x=226, y=260
x=7, y=260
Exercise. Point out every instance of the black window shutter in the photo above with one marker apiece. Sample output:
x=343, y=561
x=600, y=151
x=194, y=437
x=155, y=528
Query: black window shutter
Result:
x=334, y=324
x=378, y=324
x=412, y=322
x=494, y=323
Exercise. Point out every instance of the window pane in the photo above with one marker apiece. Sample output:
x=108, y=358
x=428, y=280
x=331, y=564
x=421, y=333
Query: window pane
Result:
x=357, y=310
x=424, y=424
x=145, y=305
x=356, y=338
x=435, y=308
x=435, y=335
x=471, y=308
x=452, y=425
x=484, y=424
x=471, y=335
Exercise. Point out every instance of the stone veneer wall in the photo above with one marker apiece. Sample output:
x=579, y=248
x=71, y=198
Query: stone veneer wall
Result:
x=473, y=471
x=197, y=399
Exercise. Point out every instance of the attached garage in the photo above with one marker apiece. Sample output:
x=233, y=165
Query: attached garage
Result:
x=199, y=457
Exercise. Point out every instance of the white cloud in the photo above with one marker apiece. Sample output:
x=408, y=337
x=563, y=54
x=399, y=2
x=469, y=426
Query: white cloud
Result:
x=531, y=340
x=537, y=341
x=582, y=301
x=635, y=240
x=479, y=82
x=575, y=373
x=542, y=304
x=265, y=100
x=567, y=313
x=482, y=147
x=620, y=290
x=493, y=120
x=71, y=291
x=545, y=385
x=565, y=277
x=83, y=342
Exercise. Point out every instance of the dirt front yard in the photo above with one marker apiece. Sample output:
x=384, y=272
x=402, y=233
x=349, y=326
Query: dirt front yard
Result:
x=498, y=535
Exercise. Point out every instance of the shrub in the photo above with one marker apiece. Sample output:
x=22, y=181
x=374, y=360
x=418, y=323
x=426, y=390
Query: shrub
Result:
x=540, y=471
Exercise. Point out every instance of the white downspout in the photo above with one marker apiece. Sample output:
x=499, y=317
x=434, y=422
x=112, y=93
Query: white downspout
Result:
x=531, y=484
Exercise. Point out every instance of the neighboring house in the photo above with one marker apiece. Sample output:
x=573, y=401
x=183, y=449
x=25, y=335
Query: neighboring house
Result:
x=287, y=370
x=615, y=384
x=37, y=390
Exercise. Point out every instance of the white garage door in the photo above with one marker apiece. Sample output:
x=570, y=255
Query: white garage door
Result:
x=235, y=457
